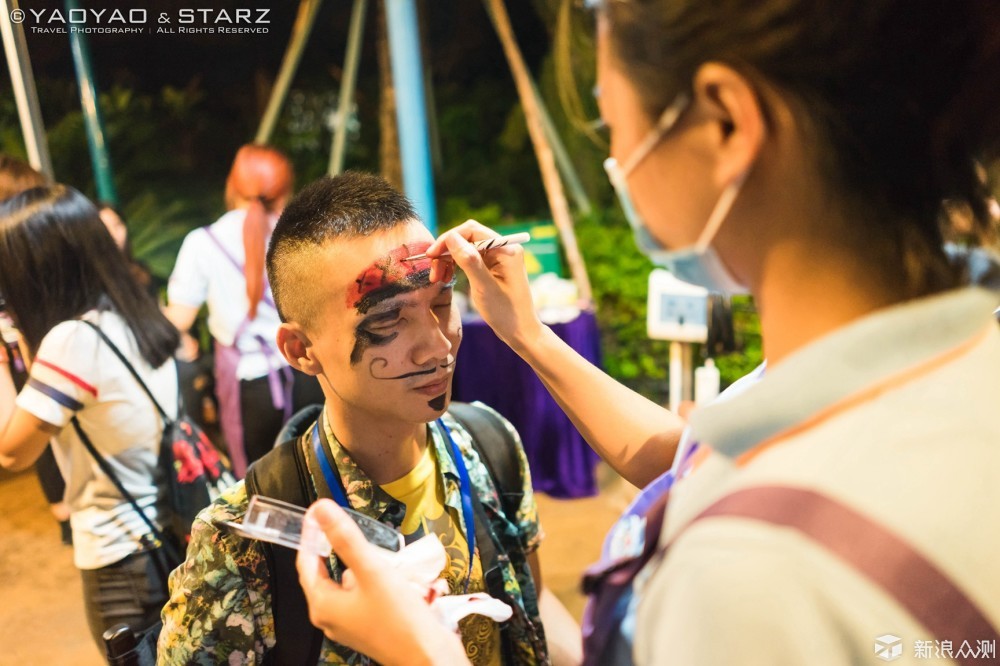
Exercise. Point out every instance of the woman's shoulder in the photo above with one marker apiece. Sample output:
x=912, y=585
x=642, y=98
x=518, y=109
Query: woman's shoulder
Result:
x=225, y=234
x=72, y=333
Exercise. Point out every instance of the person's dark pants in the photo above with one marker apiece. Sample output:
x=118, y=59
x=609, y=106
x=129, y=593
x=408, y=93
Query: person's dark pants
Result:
x=133, y=591
x=261, y=421
x=51, y=479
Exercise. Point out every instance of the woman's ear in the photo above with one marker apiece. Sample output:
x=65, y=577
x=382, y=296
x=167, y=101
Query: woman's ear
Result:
x=728, y=99
x=294, y=345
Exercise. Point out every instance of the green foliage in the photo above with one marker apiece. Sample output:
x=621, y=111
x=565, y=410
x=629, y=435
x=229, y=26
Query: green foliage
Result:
x=456, y=210
x=619, y=274
x=156, y=230
x=749, y=352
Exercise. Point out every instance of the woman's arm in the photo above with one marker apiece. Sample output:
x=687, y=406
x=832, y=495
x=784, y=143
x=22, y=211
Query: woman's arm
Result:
x=633, y=434
x=181, y=316
x=23, y=436
x=637, y=437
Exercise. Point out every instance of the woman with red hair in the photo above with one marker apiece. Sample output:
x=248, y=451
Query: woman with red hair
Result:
x=223, y=265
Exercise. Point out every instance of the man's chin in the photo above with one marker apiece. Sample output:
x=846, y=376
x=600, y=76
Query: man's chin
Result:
x=439, y=404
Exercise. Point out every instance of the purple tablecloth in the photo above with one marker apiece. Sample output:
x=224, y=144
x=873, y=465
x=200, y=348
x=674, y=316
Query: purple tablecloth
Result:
x=562, y=464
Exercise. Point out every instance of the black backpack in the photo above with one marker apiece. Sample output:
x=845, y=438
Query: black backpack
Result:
x=194, y=471
x=282, y=474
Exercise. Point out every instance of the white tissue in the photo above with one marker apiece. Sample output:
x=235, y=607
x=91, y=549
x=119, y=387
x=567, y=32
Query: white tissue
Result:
x=422, y=562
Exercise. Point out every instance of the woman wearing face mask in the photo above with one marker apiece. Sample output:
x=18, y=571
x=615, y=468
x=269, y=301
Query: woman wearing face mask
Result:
x=801, y=151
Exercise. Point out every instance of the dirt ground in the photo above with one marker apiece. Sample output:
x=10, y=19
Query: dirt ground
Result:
x=41, y=610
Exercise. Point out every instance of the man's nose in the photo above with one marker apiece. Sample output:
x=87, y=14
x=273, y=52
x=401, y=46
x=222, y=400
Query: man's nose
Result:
x=434, y=344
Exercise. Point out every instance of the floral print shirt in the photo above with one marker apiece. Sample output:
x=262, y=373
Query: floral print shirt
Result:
x=219, y=610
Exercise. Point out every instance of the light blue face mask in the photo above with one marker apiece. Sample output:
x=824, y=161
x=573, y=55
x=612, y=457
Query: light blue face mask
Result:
x=698, y=264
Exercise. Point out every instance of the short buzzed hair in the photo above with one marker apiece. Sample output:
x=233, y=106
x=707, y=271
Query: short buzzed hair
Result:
x=349, y=205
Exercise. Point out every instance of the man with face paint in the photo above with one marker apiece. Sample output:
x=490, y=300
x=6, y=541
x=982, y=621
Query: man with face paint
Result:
x=365, y=319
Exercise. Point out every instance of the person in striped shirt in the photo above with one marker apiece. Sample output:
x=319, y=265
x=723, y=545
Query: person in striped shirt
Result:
x=59, y=270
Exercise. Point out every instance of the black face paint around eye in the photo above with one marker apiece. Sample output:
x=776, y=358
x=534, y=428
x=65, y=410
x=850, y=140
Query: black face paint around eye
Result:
x=365, y=339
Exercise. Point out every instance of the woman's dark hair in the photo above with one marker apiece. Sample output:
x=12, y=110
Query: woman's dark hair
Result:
x=904, y=97
x=17, y=176
x=57, y=261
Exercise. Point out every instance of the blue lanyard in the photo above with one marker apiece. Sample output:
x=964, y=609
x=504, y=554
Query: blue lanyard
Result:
x=466, y=488
x=465, y=484
x=332, y=480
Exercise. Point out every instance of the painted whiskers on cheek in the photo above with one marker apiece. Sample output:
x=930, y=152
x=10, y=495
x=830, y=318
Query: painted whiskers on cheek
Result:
x=379, y=363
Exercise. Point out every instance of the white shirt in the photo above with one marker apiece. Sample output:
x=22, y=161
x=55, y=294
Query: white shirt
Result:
x=894, y=416
x=203, y=273
x=75, y=372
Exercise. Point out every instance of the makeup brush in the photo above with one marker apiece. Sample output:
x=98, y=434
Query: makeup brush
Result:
x=485, y=244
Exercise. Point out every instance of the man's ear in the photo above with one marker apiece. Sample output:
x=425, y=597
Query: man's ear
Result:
x=730, y=100
x=295, y=347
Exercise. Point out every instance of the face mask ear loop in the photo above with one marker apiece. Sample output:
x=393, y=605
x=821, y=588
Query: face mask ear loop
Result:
x=664, y=124
x=719, y=213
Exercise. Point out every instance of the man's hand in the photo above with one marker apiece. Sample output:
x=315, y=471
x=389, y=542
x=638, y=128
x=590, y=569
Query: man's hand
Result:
x=375, y=609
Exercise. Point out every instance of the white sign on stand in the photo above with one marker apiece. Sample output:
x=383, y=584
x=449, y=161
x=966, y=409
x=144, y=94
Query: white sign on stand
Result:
x=677, y=311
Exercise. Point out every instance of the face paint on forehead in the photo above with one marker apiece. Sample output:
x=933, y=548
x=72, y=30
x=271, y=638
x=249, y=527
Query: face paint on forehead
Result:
x=390, y=276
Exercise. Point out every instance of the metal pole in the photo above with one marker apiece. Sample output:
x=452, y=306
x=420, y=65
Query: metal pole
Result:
x=92, y=122
x=681, y=374
x=347, y=85
x=411, y=108
x=25, y=94
x=293, y=54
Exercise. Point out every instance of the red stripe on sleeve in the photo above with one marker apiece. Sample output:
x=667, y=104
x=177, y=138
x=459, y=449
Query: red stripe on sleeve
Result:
x=68, y=375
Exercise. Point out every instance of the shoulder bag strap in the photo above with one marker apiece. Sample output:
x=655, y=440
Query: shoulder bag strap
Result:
x=131, y=369
x=888, y=560
x=161, y=539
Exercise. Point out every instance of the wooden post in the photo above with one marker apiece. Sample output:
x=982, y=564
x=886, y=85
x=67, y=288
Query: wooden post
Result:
x=543, y=150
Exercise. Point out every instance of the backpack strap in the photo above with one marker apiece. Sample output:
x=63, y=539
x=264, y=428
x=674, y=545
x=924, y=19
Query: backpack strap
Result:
x=496, y=448
x=121, y=357
x=886, y=559
x=283, y=474
x=161, y=539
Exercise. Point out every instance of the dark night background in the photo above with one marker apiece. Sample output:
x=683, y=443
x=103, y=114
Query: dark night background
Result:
x=176, y=106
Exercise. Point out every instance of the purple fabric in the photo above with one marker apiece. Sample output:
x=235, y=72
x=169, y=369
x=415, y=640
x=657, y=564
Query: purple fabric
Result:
x=281, y=394
x=227, y=390
x=562, y=463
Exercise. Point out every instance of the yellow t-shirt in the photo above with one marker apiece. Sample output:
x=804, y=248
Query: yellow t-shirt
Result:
x=423, y=494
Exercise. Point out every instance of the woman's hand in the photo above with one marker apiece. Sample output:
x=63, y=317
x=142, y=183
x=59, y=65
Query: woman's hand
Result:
x=375, y=609
x=498, y=281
